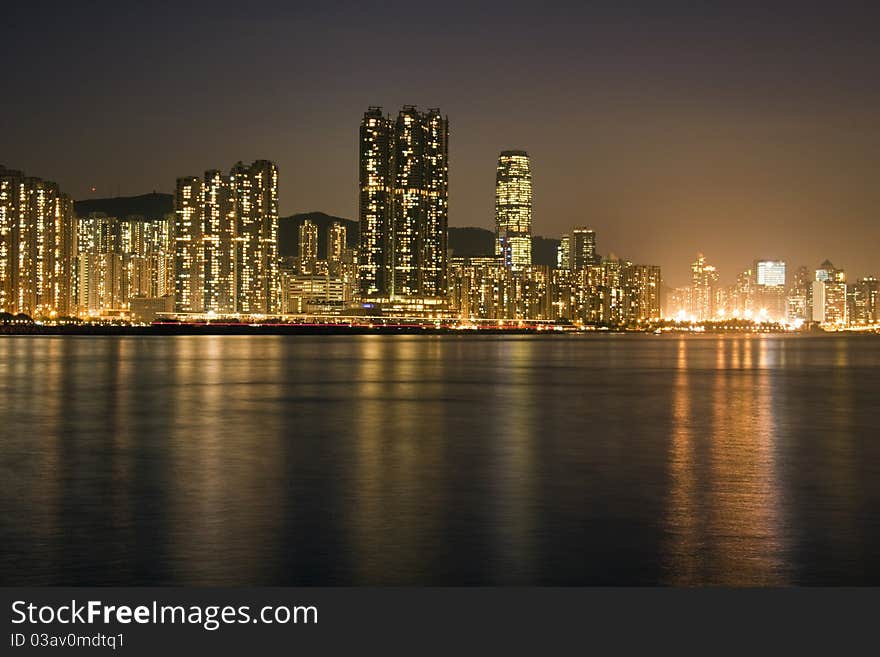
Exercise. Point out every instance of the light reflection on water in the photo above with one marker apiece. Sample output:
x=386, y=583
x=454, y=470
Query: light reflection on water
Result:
x=439, y=460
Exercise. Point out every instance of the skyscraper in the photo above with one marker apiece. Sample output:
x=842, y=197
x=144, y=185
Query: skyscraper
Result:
x=257, y=284
x=563, y=253
x=188, y=224
x=225, y=241
x=705, y=281
x=582, y=248
x=37, y=242
x=374, y=213
x=770, y=273
x=336, y=243
x=308, y=246
x=404, y=200
x=771, y=288
x=432, y=236
x=829, y=299
x=513, y=209
x=218, y=242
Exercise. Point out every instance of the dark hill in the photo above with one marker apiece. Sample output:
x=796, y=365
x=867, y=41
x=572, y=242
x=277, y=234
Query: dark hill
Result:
x=148, y=206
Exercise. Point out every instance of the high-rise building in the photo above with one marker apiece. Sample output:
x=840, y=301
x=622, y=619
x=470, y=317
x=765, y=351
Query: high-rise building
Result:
x=644, y=292
x=257, y=282
x=705, y=282
x=376, y=197
x=771, y=292
x=336, y=243
x=308, y=246
x=800, y=295
x=829, y=296
x=10, y=194
x=582, y=249
x=218, y=243
x=404, y=203
x=513, y=209
x=770, y=273
x=226, y=241
x=563, y=253
x=432, y=235
x=188, y=263
x=37, y=242
x=864, y=297
x=64, y=278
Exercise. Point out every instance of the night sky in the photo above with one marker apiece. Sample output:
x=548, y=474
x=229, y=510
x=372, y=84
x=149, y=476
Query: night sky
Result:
x=734, y=129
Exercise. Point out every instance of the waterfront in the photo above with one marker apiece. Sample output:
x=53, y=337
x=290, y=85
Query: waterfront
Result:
x=571, y=459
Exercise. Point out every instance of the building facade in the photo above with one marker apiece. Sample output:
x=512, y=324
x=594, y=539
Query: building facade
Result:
x=404, y=204
x=513, y=209
x=226, y=241
x=37, y=246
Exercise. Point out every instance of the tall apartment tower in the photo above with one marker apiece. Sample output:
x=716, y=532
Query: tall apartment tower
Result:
x=337, y=236
x=374, y=211
x=513, y=209
x=37, y=246
x=705, y=282
x=225, y=241
x=582, y=249
x=188, y=226
x=218, y=235
x=404, y=203
x=308, y=246
x=257, y=284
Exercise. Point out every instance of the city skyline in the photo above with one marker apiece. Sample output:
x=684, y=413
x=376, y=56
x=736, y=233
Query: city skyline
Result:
x=217, y=254
x=630, y=128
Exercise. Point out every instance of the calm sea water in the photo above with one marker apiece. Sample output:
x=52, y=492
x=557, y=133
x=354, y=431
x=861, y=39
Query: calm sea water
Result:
x=440, y=460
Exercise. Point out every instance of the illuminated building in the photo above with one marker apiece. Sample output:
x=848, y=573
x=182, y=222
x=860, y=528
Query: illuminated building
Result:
x=341, y=260
x=771, y=293
x=563, y=253
x=644, y=291
x=308, y=247
x=226, y=241
x=403, y=209
x=742, y=299
x=256, y=275
x=218, y=270
x=864, y=296
x=680, y=302
x=188, y=225
x=37, y=246
x=770, y=273
x=582, y=248
x=614, y=292
x=64, y=271
x=828, y=272
x=433, y=240
x=829, y=296
x=306, y=293
x=374, y=253
x=487, y=288
x=146, y=309
x=800, y=296
x=102, y=284
x=10, y=190
x=513, y=209
x=705, y=282
x=336, y=243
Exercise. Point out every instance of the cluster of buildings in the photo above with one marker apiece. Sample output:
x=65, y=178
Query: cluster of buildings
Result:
x=320, y=286
x=37, y=246
x=217, y=254
x=768, y=292
x=404, y=265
